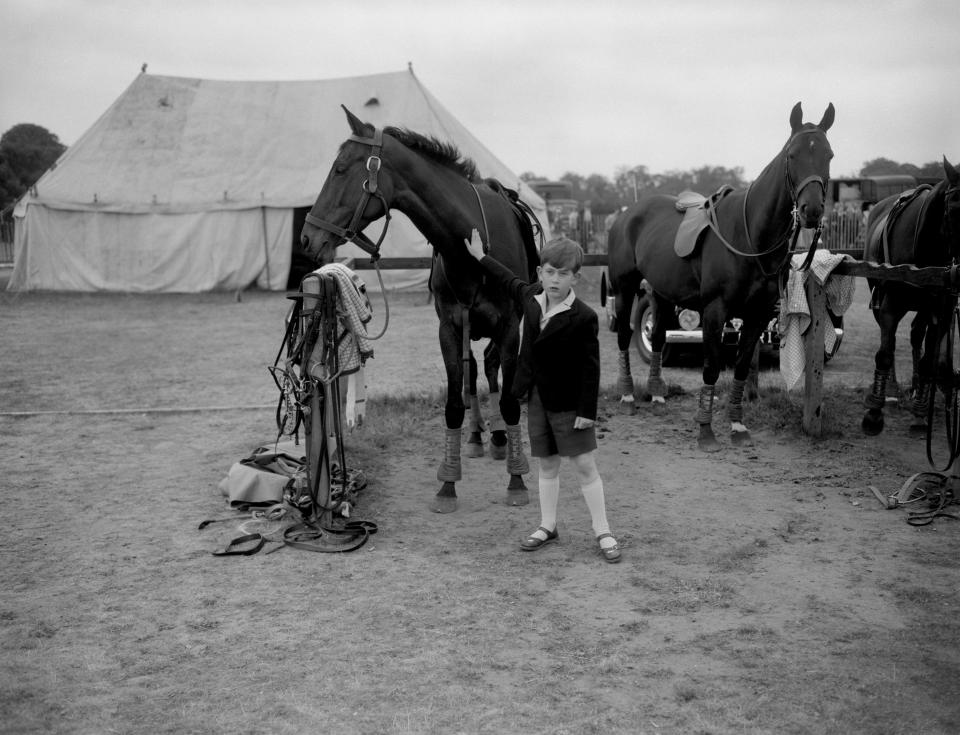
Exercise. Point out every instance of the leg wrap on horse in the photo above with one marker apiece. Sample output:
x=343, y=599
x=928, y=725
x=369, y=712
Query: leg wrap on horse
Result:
x=625, y=383
x=735, y=405
x=449, y=470
x=517, y=463
x=877, y=395
x=705, y=404
x=655, y=384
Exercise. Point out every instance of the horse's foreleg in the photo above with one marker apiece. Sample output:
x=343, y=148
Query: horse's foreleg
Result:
x=624, y=307
x=656, y=386
x=517, y=464
x=712, y=364
x=449, y=471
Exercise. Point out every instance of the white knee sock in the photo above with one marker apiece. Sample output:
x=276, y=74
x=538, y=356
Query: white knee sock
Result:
x=593, y=494
x=549, y=498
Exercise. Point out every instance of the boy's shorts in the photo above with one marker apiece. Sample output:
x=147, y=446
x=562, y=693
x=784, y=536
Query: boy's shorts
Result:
x=552, y=432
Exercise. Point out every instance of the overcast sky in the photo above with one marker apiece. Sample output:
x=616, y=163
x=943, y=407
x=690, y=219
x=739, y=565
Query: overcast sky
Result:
x=589, y=86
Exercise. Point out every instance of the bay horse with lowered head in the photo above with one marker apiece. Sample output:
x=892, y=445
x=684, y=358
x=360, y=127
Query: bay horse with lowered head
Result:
x=919, y=227
x=733, y=271
x=441, y=193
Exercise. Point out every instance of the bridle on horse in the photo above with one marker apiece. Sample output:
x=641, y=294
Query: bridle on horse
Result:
x=371, y=189
x=795, y=191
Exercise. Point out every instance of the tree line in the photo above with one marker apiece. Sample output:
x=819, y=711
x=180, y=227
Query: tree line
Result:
x=631, y=183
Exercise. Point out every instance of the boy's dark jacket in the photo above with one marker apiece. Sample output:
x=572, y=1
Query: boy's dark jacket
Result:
x=563, y=361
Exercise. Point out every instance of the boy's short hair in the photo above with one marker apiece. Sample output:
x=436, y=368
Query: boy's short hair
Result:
x=562, y=252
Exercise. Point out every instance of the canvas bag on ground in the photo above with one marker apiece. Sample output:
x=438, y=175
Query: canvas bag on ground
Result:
x=261, y=478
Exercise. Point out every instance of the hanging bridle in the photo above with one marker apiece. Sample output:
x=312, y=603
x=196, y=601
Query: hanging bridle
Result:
x=795, y=192
x=371, y=189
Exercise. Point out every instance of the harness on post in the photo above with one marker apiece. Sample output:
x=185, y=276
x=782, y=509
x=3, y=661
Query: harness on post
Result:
x=324, y=346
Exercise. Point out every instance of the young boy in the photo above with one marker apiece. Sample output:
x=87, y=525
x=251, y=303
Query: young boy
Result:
x=558, y=371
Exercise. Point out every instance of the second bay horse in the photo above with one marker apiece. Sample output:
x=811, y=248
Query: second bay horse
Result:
x=733, y=271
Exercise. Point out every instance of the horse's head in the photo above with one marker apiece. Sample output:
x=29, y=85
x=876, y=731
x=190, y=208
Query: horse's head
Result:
x=951, y=208
x=807, y=159
x=356, y=192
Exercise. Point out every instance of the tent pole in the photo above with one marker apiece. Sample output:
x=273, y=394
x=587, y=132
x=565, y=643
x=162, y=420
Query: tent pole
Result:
x=266, y=248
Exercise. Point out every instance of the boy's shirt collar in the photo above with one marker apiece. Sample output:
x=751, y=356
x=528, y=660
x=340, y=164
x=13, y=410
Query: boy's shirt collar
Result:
x=565, y=305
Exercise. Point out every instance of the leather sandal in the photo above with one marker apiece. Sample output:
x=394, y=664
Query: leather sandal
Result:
x=611, y=554
x=532, y=543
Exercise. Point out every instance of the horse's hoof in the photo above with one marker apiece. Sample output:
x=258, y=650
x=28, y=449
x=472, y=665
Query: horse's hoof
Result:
x=443, y=504
x=872, y=423
x=498, y=444
x=707, y=441
x=918, y=429
x=628, y=407
x=741, y=439
x=518, y=497
x=474, y=449
x=658, y=407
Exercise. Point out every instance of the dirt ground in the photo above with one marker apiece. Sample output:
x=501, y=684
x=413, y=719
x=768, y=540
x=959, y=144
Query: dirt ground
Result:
x=762, y=589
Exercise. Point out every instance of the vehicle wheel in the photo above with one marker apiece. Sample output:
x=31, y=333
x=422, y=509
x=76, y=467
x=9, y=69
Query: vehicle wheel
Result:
x=642, y=319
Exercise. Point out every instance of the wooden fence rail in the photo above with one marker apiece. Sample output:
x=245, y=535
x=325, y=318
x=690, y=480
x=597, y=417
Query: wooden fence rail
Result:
x=943, y=278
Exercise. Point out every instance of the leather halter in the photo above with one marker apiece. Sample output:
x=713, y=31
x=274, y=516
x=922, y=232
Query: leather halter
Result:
x=371, y=189
x=795, y=192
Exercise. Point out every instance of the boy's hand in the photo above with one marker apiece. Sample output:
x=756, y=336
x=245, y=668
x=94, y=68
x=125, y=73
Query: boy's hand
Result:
x=475, y=245
x=582, y=423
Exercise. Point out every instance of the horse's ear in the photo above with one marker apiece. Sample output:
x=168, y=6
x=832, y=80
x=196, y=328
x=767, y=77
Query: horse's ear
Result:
x=356, y=124
x=953, y=176
x=827, y=120
x=796, y=118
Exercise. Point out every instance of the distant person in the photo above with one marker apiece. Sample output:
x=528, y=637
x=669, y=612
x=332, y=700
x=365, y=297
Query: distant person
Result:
x=558, y=371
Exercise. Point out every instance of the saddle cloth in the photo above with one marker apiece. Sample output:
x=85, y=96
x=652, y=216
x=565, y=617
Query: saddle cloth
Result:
x=696, y=218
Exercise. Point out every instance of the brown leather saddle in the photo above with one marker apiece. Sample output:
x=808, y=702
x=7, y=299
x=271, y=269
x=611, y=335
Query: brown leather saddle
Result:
x=877, y=248
x=696, y=218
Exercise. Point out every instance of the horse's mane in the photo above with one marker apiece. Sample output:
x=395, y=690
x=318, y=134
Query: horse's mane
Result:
x=446, y=154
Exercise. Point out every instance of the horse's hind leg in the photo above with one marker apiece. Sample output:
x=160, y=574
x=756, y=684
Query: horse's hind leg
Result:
x=656, y=386
x=498, y=432
x=450, y=470
x=517, y=464
x=477, y=423
x=920, y=393
x=743, y=370
x=624, y=306
x=713, y=318
x=887, y=319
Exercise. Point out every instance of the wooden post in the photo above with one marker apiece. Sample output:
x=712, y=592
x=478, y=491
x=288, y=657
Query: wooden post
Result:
x=813, y=341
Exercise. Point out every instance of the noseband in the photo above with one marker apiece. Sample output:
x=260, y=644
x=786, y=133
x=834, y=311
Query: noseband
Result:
x=371, y=189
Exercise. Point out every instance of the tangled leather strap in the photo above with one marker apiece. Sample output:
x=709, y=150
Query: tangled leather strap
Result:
x=314, y=537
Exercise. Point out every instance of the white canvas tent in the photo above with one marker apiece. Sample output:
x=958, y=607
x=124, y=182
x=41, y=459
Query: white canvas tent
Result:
x=188, y=185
